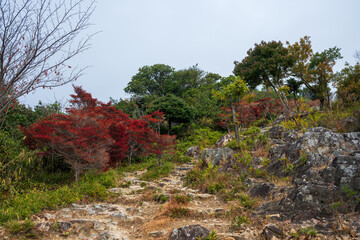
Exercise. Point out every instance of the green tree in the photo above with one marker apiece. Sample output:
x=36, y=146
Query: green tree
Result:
x=232, y=93
x=294, y=87
x=203, y=101
x=151, y=80
x=174, y=108
x=268, y=63
x=192, y=78
x=348, y=84
x=315, y=70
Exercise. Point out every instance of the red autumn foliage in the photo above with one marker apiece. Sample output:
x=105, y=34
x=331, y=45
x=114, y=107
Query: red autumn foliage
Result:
x=94, y=135
x=247, y=113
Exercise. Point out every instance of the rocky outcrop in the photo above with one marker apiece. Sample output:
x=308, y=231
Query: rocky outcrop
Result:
x=326, y=170
x=217, y=156
x=189, y=232
x=194, y=152
x=262, y=190
x=224, y=140
x=270, y=231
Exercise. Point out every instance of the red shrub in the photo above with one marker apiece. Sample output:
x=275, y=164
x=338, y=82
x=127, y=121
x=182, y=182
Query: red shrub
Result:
x=94, y=135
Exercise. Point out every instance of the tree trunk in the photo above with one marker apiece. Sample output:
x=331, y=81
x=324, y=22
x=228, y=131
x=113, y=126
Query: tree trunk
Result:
x=322, y=102
x=237, y=137
x=169, y=122
x=296, y=104
x=283, y=102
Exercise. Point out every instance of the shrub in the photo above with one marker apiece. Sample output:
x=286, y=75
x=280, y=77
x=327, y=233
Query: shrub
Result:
x=238, y=221
x=182, y=198
x=161, y=198
x=94, y=135
x=157, y=169
x=199, y=136
x=91, y=187
x=17, y=164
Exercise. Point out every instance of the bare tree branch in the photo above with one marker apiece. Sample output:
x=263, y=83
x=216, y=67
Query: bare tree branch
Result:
x=357, y=55
x=38, y=38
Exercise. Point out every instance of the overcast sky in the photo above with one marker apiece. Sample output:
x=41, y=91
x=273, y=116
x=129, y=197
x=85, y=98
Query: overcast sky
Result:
x=212, y=33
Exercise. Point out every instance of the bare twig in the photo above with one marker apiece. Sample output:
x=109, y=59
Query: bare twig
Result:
x=38, y=38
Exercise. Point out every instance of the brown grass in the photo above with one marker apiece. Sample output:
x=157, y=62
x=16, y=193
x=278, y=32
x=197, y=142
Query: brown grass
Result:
x=261, y=151
x=161, y=223
x=174, y=209
x=147, y=195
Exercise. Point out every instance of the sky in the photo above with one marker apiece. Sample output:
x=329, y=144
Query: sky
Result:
x=210, y=33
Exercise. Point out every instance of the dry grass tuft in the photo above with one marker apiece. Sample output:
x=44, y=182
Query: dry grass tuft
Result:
x=147, y=195
x=174, y=209
x=162, y=222
x=261, y=151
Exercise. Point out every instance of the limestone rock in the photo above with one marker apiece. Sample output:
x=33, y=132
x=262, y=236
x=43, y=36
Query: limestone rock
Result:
x=194, y=152
x=216, y=157
x=224, y=140
x=277, y=132
x=189, y=232
x=271, y=231
x=323, y=163
x=261, y=190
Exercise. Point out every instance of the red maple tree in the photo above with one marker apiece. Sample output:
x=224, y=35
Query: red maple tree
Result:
x=95, y=135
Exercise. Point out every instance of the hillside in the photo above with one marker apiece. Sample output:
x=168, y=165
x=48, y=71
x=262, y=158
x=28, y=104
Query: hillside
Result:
x=306, y=188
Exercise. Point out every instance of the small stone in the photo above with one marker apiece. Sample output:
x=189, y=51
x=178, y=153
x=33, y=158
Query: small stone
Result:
x=272, y=230
x=77, y=206
x=63, y=226
x=182, y=168
x=92, y=212
x=156, y=234
x=219, y=210
x=119, y=216
x=293, y=231
x=99, y=226
x=189, y=232
x=246, y=235
x=66, y=216
x=43, y=227
x=49, y=216
x=82, y=221
x=204, y=195
x=66, y=210
x=115, y=190
x=315, y=221
x=274, y=216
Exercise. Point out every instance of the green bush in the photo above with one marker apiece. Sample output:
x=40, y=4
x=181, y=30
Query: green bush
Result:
x=90, y=187
x=241, y=146
x=16, y=164
x=199, y=136
x=238, y=221
x=161, y=198
x=252, y=139
x=157, y=169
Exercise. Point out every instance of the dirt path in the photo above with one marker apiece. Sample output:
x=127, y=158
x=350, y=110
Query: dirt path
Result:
x=135, y=214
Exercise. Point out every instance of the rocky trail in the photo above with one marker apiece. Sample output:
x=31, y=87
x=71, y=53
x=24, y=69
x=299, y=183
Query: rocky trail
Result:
x=165, y=209
x=134, y=216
